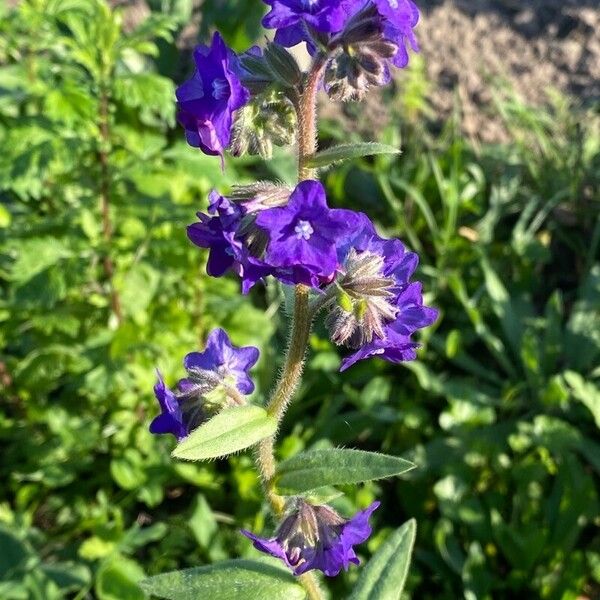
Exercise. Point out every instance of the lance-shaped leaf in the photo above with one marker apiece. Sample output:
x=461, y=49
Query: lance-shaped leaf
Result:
x=348, y=152
x=230, y=431
x=336, y=466
x=228, y=580
x=385, y=575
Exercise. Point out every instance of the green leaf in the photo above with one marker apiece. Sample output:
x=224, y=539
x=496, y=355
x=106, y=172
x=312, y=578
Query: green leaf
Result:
x=336, y=466
x=14, y=553
x=348, y=152
x=230, y=431
x=118, y=579
x=385, y=575
x=228, y=580
x=586, y=392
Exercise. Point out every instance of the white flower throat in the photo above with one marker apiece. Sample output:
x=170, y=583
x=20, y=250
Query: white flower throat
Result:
x=303, y=230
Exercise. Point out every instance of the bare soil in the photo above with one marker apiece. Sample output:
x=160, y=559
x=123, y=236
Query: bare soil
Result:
x=533, y=45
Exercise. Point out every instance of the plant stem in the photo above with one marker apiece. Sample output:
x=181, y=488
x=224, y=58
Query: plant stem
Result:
x=109, y=268
x=306, y=109
x=311, y=584
x=307, y=118
x=283, y=394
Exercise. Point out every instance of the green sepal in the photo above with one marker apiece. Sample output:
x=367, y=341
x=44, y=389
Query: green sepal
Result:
x=336, y=466
x=230, y=431
x=348, y=152
x=322, y=495
x=384, y=576
x=283, y=65
x=227, y=580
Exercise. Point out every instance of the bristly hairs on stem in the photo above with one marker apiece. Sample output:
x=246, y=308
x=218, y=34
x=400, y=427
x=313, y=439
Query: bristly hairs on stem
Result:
x=305, y=104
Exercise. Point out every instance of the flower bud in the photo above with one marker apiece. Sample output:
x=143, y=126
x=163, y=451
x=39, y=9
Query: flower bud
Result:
x=260, y=195
x=268, y=119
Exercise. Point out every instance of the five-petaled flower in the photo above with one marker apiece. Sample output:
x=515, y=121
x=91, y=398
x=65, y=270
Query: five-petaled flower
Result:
x=304, y=233
x=400, y=18
x=316, y=537
x=208, y=100
x=217, y=378
x=295, y=240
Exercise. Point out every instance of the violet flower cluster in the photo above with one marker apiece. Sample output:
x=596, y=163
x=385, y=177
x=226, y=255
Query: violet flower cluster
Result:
x=358, y=38
x=360, y=281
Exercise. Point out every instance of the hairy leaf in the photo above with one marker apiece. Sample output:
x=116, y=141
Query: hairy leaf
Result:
x=230, y=431
x=385, y=575
x=228, y=580
x=348, y=152
x=318, y=468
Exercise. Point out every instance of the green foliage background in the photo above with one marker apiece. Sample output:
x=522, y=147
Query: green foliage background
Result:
x=501, y=414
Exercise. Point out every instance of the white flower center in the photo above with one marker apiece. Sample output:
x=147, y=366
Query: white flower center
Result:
x=304, y=230
x=393, y=3
x=220, y=88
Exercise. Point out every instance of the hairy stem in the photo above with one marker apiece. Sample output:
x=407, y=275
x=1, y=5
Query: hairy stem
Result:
x=307, y=118
x=283, y=394
x=311, y=584
x=306, y=109
x=109, y=268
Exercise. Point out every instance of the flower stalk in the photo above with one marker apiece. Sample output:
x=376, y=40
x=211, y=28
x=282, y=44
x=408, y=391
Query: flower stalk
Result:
x=306, y=107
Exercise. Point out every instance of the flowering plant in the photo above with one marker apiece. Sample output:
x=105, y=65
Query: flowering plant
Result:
x=337, y=266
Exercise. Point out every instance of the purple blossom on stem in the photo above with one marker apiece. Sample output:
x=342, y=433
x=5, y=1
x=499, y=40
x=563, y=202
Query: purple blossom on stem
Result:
x=170, y=420
x=377, y=308
x=207, y=101
x=400, y=18
x=396, y=345
x=217, y=233
x=225, y=360
x=316, y=537
x=293, y=18
x=304, y=233
x=217, y=377
x=295, y=241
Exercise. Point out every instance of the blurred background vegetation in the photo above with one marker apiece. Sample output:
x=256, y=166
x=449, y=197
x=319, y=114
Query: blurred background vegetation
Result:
x=98, y=285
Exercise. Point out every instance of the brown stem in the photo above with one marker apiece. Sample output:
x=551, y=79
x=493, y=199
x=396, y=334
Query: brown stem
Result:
x=307, y=118
x=105, y=179
x=284, y=392
x=306, y=109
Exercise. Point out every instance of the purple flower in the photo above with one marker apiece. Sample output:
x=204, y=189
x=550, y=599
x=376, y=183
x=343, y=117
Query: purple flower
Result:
x=400, y=18
x=304, y=233
x=170, y=419
x=217, y=233
x=294, y=18
x=376, y=308
x=217, y=378
x=291, y=237
x=207, y=101
x=316, y=537
x=225, y=360
x=396, y=345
